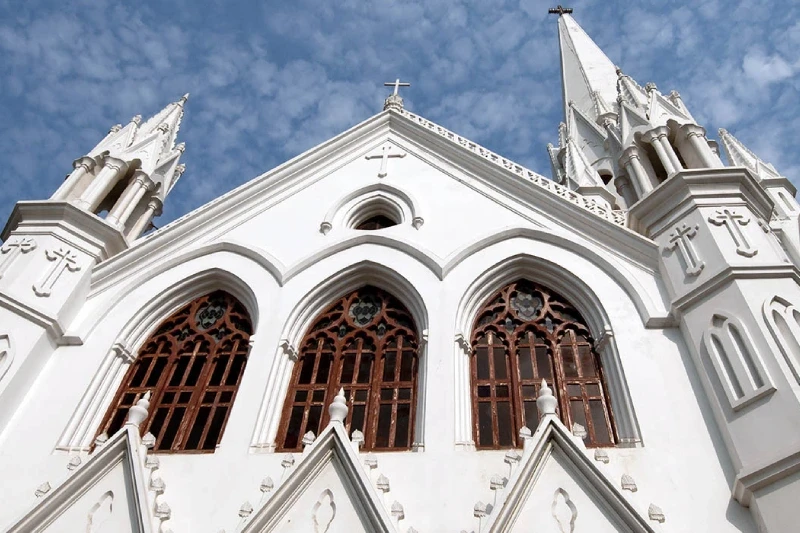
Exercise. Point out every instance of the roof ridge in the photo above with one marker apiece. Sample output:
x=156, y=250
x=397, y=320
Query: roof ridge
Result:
x=616, y=216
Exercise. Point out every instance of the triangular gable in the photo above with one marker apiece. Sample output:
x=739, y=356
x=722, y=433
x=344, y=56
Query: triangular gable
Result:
x=108, y=493
x=328, y=487
x=554, y=478
x=661, y=110
x=629, y=120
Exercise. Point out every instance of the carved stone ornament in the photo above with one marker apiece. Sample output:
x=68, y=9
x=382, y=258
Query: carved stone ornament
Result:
x=601, y=455
x=12, y=249
x=42, y=489
x=564, y=511
x=680, y=239
x=733, y=222
x=324, y=512
x=655, y=513
x=628, y=483
x=64, y=260
x=6, y=355
x=73, y=463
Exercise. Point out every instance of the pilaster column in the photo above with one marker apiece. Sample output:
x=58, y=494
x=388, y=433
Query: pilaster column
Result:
x=623, y=185
x=636, y=172
x=130, y=199
x=657, y=137
x=81, y=166
x=153, y=209
x=696, y=136
x=94, y=194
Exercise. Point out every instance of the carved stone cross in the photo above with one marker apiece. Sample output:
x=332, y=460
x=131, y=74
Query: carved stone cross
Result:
x=384, y=155
x=63, y=260
x=680, y=239
x=10, y=251
x=559, y=10
x=733, y=222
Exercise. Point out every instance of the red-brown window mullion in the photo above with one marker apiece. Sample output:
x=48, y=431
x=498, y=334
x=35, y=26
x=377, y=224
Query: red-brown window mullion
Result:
x=515, y=392
x=373, y=408
x=215, y=403
x=559, y=383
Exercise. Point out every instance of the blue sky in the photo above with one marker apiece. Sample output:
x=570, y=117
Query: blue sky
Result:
x=269, y=80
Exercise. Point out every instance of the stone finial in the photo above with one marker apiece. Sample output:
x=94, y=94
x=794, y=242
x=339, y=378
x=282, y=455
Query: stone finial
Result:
x=138, y=413
x=42, y=489
x=650, y=87
x=137, y=119
x=397, y=511
x=157, y=485
x=245, y=510
x=287, y=461
x=152, y=462
x=183, y=99
x=357, y=437
x=73, y=463
x=393, y=101
x=267, y=485
x=497, y=482
x=512, y=457
x=628, y=483
x=149, y=440
x=162, y=511
x=115, y=128
x=163, y=127
x=479, y=511
x=601, y=455
x=579, y=431
x=383, y=484
x=181, y=147
x=180, y=169
x=654, y=512
x=546, y=402
x=309, y=438
x=371, y=461
x=338, y=408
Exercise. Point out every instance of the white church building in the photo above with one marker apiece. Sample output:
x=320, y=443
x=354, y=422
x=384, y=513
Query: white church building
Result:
x=402, y=331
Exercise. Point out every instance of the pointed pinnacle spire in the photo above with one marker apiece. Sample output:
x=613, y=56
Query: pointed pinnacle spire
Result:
x=585, y=69
x=167, y=121
x=740, y=156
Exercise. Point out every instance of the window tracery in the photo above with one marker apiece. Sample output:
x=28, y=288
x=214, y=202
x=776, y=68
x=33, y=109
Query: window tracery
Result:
x=192, y=364
x=367, y=344
x=524, y=334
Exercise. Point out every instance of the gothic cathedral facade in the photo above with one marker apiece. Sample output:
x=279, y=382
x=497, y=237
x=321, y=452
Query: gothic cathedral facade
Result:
x=402, y=331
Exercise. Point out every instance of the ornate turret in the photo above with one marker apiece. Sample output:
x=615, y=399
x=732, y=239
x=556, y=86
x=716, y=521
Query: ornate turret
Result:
x=127, y=176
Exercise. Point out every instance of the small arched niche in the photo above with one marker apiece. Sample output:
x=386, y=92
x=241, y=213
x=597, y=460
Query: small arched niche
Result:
x=372, y=208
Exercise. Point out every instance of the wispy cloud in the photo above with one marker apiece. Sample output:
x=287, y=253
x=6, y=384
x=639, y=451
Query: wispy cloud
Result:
x=271, y=81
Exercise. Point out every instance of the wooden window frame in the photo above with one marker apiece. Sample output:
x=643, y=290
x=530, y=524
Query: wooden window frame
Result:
x=339, y=334
x=192, y=370
x=544, y=327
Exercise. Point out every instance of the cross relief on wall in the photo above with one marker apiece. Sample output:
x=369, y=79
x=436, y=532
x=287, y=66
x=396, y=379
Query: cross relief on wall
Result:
x=12, y=249
x=385, y=152
x=681, y=239
x=64, y=260
x=733, y=222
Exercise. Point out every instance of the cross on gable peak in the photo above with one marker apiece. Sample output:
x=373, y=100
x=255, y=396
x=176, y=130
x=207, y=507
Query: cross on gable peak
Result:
x=394, y=100
x=558, y=10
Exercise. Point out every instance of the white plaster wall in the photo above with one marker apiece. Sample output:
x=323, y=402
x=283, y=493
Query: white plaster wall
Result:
x=682, y=454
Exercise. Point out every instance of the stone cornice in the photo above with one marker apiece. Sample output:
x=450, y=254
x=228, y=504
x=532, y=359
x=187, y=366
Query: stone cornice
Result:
x=54, y=329
x=94, y=236
x=750, y=480
x=702, y=292
x=688, y=189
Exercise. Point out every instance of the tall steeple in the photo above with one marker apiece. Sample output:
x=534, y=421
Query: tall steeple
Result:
x=589, y=78
x=619, y=139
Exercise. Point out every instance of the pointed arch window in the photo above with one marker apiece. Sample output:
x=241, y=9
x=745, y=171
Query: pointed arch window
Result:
x=366, y=343
x=526, y=333
x=192, y=364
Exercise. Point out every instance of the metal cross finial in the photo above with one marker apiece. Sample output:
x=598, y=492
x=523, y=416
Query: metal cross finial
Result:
x=396, y=84
x=560, y=10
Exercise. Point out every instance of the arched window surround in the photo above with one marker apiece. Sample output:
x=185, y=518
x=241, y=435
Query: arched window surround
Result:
x=376, y=199
x=786, y=333
x=79, y=433
x=562, y=281
x=729, y=349
x=300, y=319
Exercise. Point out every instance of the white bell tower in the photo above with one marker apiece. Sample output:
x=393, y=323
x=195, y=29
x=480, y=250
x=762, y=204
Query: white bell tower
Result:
x=51, y=246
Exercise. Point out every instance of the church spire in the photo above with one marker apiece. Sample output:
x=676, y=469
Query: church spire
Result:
x=587, y=75
x=740, y=156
